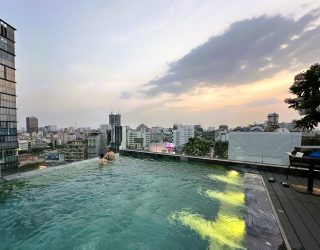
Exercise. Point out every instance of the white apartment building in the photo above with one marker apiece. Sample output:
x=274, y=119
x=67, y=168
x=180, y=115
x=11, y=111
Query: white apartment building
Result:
x=65, y=137
x=138, y=139
x=124, y=141
x=94, y=145
x=23, y=145
x=181, y=134
x=156, y=134
x=51, y=128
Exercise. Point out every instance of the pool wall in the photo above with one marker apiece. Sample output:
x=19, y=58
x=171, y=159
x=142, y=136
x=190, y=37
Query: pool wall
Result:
x=241, y=165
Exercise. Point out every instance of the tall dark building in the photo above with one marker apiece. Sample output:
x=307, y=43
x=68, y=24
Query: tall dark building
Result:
x=115, y=119
x=32, y=124
x=8, y=111
x=117, y=138
x=116, y=131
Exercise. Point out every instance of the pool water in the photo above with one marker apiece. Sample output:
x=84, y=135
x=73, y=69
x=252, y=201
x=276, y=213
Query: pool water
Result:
x=128, y=204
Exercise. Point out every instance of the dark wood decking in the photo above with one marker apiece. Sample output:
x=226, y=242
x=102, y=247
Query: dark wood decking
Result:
x=298, y=213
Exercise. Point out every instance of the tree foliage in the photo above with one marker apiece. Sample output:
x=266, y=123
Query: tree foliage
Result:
x=221, y=149
x=201, y=147
x=197, y=146
x=306, y=87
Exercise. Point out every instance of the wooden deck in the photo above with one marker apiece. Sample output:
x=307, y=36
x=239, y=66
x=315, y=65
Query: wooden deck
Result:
x=298, y=213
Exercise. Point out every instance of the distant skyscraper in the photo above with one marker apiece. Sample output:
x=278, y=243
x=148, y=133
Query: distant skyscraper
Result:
x=273, y=120
x=272, y=123
x=116, y=131
x=51, y=128
x=32, y=124
x=8, y=114
x=117, y=138
x=115, y=119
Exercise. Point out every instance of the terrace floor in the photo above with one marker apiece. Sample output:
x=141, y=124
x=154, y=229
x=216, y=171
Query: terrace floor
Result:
x=298, y=213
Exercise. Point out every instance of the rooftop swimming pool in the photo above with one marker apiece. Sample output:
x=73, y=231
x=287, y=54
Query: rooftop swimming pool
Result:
x=128, y=204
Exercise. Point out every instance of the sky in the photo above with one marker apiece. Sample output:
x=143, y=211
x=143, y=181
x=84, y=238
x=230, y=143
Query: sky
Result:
x=160, y=62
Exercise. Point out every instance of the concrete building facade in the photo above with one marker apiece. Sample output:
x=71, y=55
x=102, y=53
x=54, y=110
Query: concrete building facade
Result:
x=181, y=134
x=94, y=144
x=138, y=139
x=51, y=128
x=75, y=151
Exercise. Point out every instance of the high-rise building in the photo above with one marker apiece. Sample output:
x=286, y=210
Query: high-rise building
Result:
x=116, y=131
x=272, y=122
x=94, y=144
x=124, y=137
x=105, y=133
x=181, y=134
x=32, y=124
x=8, y=111
x=51, y=128
x=76, y=151
x=115, y=119
x=138, y=139
x=116, y=138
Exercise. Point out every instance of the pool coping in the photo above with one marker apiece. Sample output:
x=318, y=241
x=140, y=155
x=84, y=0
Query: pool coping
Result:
x=27, y=174
x=242, y=165
x=264, y=230
x=30, y=173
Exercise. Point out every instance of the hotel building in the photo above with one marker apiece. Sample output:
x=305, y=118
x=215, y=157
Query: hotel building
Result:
x=8, y=112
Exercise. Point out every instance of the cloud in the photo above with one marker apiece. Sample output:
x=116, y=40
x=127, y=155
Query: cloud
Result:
x=126, y=94
x=235, y=106
x=250, y=50
x=264, y=102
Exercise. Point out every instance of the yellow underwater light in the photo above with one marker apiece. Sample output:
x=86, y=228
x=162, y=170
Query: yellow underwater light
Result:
x=228, y=229
x=231, y=178
x=232, y=198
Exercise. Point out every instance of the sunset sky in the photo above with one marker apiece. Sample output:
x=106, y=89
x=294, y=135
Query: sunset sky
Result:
x=160, y=62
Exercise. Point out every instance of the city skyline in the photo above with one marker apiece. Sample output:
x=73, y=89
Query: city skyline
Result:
x=160, y=63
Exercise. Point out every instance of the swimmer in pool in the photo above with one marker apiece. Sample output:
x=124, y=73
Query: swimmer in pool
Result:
x=102, y=160
x=110, y=155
